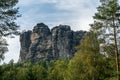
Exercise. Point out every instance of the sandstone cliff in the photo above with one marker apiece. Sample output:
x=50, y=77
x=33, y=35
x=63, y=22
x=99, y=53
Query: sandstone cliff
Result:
x=45, y=44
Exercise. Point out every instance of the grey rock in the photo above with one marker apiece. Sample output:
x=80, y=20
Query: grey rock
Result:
x=25, y=43
x=43, y=44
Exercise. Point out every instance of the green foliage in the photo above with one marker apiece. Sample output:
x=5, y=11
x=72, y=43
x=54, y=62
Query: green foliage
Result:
x=107, y=23
x=83, y=66
x=39, y=72
x=86, y=63
x=59, y=70
x=3, y=48
x=22, y=74
x=8, y=15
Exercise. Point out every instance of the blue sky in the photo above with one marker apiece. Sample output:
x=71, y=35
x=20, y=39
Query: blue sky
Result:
x=76, y=13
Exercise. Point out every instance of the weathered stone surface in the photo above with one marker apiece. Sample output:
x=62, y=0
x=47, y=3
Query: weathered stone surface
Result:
x=43, y=44
x=62, y=41
x=25, y=43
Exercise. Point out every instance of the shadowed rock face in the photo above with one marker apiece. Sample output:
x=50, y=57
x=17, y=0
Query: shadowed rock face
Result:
x=25, y=43
x=43, y=44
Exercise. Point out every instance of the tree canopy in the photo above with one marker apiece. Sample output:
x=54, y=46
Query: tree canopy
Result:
x=8, y=26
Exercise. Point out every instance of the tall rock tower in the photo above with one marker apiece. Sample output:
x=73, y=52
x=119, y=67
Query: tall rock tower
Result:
x=43, y=44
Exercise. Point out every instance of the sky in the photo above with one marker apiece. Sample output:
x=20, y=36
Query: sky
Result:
x=76, y=13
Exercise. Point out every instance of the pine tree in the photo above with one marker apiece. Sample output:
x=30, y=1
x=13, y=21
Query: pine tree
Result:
x=108, y=15
x=8, y=15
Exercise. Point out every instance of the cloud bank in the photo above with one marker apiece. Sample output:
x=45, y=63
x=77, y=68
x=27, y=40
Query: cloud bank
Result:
x=76, y=13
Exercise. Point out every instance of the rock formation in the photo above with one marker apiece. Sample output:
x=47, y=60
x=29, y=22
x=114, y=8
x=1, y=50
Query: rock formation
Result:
x=43, y=44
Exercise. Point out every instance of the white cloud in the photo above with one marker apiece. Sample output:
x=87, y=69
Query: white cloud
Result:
x=79, y=10
x=31, y=2
x=14, y=48
x=72, y=4
x=61, y=4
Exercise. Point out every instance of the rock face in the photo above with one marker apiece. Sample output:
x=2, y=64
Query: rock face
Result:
x=43, y=44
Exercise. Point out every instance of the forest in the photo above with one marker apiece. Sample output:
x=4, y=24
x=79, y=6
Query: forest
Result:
x=97, y=56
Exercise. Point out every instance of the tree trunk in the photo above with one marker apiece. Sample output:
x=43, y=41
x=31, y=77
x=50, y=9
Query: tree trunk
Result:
x=116, y=50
